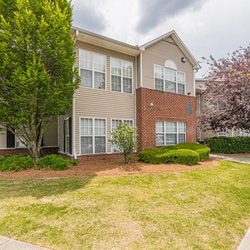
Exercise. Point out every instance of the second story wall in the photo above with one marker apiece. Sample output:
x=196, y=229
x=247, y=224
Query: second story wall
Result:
x=158, y=54
x=104, y=103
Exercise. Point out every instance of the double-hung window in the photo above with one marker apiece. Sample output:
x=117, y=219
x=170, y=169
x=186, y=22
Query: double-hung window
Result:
x=92, y=69
x=168, y=133
x=93, y=136
x=121, y=75
x=115, y=124
x=169, y=80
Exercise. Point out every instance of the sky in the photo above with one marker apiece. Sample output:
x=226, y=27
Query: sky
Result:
x=207, y=27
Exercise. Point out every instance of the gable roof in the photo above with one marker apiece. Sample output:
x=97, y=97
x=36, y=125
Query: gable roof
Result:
x=172, y=34
x=104, y=41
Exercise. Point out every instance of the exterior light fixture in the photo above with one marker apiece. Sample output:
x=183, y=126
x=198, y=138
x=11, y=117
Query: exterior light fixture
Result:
x=183, y=59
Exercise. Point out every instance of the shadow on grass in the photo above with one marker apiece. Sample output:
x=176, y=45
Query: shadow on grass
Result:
x=40, y=188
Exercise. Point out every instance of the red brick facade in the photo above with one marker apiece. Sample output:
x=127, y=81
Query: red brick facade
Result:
x=153, y=105
x=114, y=156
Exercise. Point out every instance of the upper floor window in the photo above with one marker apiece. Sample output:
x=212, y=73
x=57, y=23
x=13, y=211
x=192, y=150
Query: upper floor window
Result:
x=121, y=75
x=169, y=80
x=92, y=69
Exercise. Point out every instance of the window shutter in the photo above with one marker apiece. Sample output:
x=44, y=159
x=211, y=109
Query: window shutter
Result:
x=70, y=135
x=11, y=140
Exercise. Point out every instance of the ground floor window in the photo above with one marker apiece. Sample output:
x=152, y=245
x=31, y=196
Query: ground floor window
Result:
x=169, y=133
x=115, y=123
x=93, y=135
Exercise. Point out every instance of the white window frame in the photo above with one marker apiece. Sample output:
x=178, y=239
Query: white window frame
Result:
x=122, y=76
x=92, y=70
x=93, y=135
x=122, y=120
x=175, y=133
x=176, y=82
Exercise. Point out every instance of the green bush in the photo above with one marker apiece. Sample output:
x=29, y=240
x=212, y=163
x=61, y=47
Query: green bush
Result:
x=166, y=154
x=15, y=163
x=185, y=156
x=229, y=145
x=203, y=153
x=150, y=155
x=54, y=162
x=165, y=157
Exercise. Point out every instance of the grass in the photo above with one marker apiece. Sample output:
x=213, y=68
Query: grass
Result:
x=201, y=209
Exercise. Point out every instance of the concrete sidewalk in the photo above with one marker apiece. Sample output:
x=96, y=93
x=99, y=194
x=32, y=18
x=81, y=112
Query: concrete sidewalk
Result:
x=245, y=243
x=10, y=244
x=232, y=158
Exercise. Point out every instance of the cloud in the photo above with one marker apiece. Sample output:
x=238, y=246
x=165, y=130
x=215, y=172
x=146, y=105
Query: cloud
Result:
x=154, y=12
x=87, y=16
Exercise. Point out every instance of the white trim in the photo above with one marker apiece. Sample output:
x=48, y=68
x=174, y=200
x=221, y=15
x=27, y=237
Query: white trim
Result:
x=93, y=136
x=194, y=83
x=122, y=60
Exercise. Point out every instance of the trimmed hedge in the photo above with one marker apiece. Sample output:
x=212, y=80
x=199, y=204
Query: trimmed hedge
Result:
x=14, y=163
x=185, y=156
x=54, y=162
x=183, y=153
x=229, y=145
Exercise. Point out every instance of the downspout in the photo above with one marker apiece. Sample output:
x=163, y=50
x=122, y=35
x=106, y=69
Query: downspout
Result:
x=74, y=116
x=141, y=83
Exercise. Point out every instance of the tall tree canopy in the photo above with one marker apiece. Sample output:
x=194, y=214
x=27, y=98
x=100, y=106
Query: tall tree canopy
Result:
x=227, y=96
x=37, y=79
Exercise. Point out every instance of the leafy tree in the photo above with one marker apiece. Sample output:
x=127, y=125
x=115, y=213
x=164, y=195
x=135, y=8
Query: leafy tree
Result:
x=227, y=96
x=37, y=79
x=124, y=139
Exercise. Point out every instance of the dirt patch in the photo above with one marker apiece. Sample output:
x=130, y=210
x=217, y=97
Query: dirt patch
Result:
x=105, y=168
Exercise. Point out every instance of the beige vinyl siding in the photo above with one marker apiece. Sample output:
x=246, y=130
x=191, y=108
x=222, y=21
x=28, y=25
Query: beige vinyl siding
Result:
x=3, y=138
x=51, y=134
x=158, y=54
x=96, y=103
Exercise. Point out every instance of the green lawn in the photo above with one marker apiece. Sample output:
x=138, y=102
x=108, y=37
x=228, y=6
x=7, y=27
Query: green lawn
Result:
x=201, y=209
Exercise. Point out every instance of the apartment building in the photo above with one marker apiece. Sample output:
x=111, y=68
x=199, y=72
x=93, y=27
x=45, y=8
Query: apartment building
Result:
x=151, y=87
x=200, y=86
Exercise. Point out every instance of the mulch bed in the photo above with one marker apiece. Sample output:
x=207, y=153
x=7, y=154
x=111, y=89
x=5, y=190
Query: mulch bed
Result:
x=105, y=168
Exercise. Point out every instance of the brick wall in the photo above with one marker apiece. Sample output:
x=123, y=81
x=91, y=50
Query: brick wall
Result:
x=114, y=156
x=153, y=105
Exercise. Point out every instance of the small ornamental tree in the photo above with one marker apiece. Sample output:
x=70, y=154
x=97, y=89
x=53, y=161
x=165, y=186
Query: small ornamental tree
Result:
x=226, y=100
x=124, y=139
x=37, y=79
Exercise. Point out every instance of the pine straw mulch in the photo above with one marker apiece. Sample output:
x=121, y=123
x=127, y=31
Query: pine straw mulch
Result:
x=105, y=168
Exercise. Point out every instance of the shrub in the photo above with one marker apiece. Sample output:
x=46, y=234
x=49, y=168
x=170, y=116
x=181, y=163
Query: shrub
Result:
x=203, y=153
x=124, y=139
x=229, y=145
x=165, y=154
x=54, y=162
x=15, y=163
x=185, y=156
x=165, y=157
x=190, y=145
x=150, y=155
